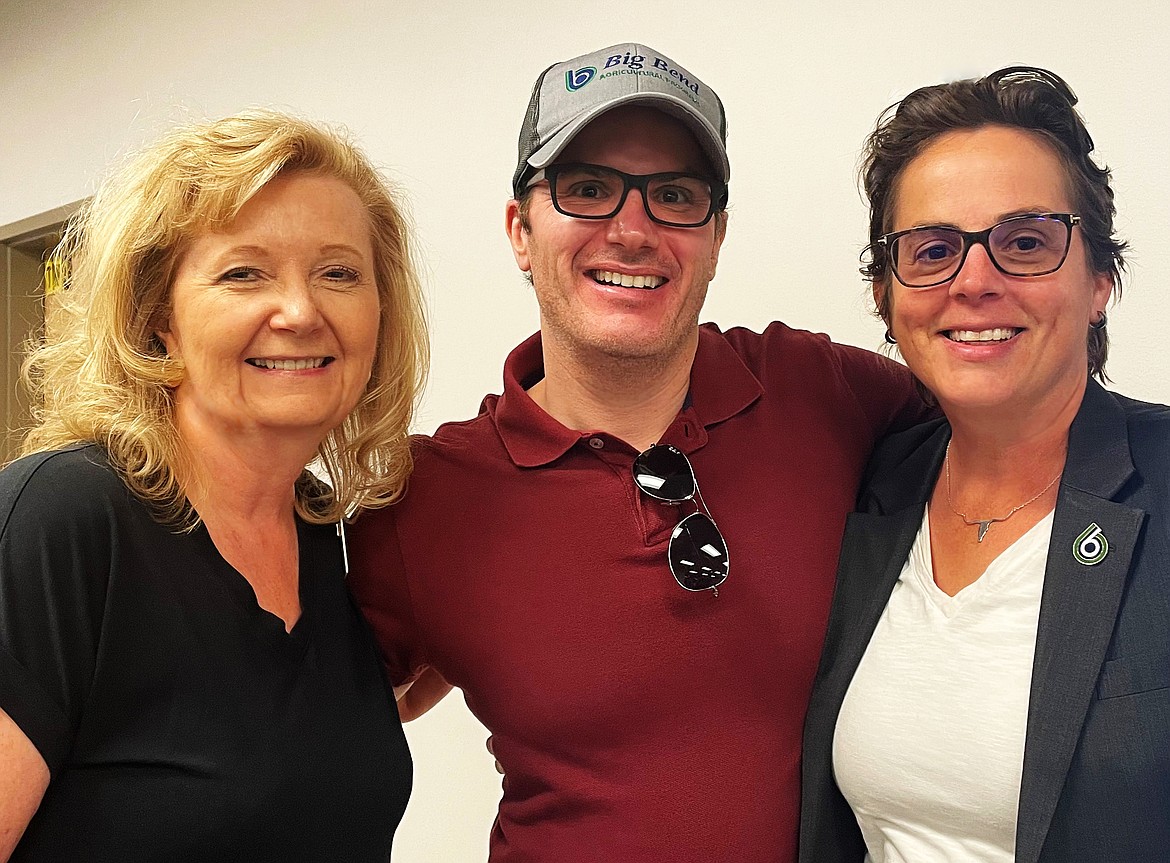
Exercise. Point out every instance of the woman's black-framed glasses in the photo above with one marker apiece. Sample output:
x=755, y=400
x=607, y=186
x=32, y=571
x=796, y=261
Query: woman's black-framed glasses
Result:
x=678, y=200
x=697, y=552
x=1029, y=245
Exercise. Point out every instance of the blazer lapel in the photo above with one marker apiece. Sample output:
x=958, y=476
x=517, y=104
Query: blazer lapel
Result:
x=872, y=552
x=875, y=545
x=1088, y=561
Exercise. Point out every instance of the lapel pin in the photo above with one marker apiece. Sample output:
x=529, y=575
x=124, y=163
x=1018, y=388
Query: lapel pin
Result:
x=1091, y=546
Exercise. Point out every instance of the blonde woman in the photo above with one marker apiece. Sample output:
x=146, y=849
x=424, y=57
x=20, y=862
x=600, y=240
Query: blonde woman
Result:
x=182, y=673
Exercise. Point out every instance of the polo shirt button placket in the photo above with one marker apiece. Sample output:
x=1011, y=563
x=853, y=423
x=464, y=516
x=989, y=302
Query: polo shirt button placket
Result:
x=596, y=443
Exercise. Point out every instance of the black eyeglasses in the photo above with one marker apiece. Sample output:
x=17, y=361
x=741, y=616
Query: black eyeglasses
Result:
x=597, y=192
x=697, y=553
x=1031, y=245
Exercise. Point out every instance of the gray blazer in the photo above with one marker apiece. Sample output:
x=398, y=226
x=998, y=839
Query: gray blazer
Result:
x=1096, y=779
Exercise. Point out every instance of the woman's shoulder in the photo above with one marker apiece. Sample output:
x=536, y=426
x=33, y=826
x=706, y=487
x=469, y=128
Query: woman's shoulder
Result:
x=1144, y=417
x=58, y=485
x=894, y=451
x=903, y=466
x=1147, y=427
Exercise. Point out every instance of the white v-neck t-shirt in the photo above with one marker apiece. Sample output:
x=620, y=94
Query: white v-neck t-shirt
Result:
x=929, y=744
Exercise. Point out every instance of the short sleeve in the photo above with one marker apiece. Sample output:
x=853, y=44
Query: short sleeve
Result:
x=56, y=517
x=379, y=582
x=884, y=390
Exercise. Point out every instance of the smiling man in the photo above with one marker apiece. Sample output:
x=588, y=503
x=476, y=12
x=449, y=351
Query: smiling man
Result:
x=554, y=557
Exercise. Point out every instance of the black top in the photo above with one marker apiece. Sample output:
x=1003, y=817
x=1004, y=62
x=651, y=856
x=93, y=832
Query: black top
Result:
x=179, y=720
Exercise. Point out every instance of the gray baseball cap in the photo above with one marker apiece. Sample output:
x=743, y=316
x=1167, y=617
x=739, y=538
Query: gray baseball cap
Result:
x=570, y=95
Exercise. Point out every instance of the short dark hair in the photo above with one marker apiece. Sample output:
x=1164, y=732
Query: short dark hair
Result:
x=1023, y=97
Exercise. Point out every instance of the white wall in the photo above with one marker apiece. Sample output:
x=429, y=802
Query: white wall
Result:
x=436, y=92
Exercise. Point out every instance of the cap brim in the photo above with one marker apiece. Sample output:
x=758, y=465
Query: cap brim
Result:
x=707, y=136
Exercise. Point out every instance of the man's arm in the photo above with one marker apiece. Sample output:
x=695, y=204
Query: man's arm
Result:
x=379, y=582
x=885, y=390
x=24, y=776
x=421, y=694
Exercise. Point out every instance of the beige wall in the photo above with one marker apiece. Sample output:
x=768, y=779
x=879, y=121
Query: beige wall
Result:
x=23, y=315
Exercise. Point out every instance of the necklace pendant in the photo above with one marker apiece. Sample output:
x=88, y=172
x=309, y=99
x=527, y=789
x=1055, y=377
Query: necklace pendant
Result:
x=985, y=524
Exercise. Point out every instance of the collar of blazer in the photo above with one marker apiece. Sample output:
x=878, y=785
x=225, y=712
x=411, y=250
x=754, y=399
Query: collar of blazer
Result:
x=1098, y=461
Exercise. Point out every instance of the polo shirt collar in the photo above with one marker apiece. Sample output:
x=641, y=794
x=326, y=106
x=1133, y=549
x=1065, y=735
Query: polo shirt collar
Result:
x=721, y=387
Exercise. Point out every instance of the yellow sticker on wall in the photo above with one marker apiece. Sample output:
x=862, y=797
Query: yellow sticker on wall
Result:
x=56, y=275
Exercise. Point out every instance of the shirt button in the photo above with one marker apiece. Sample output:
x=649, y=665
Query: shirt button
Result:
x=596, y=443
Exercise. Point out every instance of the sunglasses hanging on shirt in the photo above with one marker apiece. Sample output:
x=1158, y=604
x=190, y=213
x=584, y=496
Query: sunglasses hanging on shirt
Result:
x=697, y=553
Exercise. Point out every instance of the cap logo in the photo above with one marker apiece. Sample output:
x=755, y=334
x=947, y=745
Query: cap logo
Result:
x=634, y=64
x=575, y=79
x=634, y=61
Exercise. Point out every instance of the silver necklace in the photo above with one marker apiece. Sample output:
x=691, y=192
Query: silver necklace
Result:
x=984, y=524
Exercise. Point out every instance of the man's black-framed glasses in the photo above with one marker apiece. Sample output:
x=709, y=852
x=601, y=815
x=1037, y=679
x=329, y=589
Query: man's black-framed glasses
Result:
x=678, y=200
x=697, y=552
x=1029, y=245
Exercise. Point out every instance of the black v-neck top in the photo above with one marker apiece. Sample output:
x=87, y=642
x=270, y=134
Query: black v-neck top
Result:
x=179, y=720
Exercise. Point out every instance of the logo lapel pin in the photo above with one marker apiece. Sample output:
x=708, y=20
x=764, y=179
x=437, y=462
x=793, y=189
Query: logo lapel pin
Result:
x=1091, y=546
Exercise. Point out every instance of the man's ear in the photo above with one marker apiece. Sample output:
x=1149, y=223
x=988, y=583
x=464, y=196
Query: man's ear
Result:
x=517, y=235
x=720, y=234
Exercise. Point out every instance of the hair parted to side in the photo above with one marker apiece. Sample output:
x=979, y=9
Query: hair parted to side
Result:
x=100, y=374
x=1022, y=97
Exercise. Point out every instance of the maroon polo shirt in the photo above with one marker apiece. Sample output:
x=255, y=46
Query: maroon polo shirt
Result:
x=635, y=721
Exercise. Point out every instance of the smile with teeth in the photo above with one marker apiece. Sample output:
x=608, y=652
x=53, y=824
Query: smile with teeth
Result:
x=289, y=365
x=625, y=280
x=998, y=334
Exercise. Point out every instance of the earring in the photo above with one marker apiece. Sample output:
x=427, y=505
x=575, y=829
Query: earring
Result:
x=1100, y=323
x=890, y=340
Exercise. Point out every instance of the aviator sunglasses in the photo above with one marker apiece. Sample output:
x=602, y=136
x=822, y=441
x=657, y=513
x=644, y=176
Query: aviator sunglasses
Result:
x=697, y=553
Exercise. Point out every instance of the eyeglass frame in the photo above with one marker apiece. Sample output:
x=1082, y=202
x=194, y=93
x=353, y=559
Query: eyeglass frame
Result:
x=980, y=238
x=631, y=181
x=701, y=510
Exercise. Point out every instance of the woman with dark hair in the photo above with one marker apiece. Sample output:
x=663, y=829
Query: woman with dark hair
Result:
x=995, y=684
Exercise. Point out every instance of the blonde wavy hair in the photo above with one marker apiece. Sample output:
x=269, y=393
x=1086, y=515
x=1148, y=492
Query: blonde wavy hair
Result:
x=100, y=374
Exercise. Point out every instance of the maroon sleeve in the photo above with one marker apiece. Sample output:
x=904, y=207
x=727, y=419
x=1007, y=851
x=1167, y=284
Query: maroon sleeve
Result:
x=884, y=389
x=379, y=582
